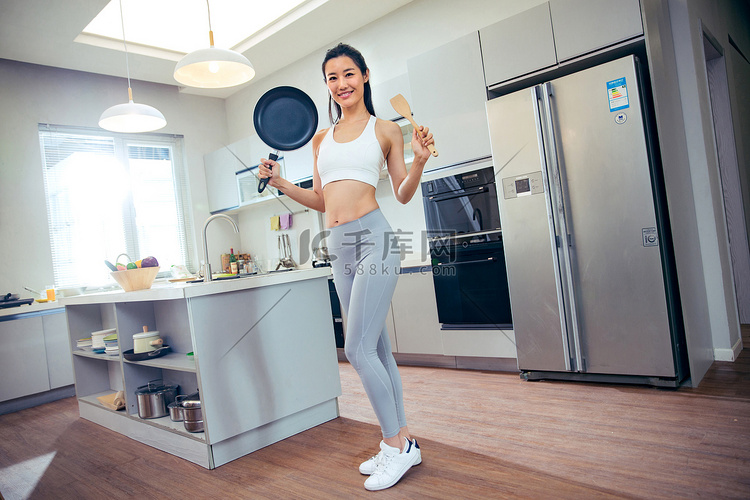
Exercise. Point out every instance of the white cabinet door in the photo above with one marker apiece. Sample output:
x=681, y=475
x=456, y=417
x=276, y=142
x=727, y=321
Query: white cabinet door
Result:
x=57, y=344
x=382, y=92
x=415, y=313
x=23, y=360
x=448, y=96
x=221, y=184
x=518, y=45
x=250, y=150
x=583, y=26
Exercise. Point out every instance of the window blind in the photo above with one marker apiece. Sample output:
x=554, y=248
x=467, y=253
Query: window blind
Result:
x=109, y=194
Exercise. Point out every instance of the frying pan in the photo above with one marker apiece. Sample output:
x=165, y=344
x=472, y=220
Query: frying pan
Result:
x=285, y=118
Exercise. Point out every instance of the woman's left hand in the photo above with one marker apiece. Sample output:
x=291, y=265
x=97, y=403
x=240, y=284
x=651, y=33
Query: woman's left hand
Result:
x=419, y=142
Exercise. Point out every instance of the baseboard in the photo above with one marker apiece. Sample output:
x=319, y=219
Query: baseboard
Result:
x=25, y=402
x=456, y=362
x=729, y=354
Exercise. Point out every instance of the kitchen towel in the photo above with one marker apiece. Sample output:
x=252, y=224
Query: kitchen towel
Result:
x=275, y=223
x=286, y=221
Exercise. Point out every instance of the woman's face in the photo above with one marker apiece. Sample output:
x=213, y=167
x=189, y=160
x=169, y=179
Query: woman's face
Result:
x=345, y=81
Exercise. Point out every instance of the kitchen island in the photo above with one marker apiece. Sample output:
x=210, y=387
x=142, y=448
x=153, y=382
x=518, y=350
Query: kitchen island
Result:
x=264, y=360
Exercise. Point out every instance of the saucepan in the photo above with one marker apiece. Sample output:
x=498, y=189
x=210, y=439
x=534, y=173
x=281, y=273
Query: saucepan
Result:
x=285, y=118
x=154, y=398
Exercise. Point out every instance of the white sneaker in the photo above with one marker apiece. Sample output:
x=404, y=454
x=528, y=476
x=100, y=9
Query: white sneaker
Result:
x=392, y=465
x=368, y=466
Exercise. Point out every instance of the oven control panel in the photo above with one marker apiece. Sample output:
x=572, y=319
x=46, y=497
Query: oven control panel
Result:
x=523, y=185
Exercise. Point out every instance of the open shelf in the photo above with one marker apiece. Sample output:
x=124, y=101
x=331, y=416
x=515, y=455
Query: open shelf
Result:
x=91, y=399
x=172, y=361
x=162, y=422
x=94, y=355
x=168, y=424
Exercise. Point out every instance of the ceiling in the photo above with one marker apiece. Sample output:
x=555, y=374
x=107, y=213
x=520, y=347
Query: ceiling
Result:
x=43, y=32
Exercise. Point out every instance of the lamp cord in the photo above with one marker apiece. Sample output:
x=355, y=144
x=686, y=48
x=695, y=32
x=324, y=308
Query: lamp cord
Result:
x=127, y=65
x=209, y=15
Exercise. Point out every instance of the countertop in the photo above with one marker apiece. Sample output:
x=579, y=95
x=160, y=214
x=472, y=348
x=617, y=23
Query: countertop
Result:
x=36, y=307
x=181, y=290
x=164, y=290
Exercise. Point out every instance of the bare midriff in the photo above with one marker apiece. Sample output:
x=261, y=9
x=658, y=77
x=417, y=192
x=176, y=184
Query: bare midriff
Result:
x=347, y=200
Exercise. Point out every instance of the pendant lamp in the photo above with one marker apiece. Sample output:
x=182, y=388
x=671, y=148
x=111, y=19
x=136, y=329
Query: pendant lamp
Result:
x=131, y=117
x=213, y=68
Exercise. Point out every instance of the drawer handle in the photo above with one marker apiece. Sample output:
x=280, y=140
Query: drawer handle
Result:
x=478, y=261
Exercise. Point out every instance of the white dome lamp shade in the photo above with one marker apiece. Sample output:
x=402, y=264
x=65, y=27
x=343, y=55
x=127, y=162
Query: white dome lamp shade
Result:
x=213, y=68
x=131, y=117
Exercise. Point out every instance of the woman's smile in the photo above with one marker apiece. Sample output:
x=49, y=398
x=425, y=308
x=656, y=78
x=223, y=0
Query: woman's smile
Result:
x=344, y=79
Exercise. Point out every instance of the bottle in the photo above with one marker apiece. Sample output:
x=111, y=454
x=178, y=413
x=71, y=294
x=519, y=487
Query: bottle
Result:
x=233, y=262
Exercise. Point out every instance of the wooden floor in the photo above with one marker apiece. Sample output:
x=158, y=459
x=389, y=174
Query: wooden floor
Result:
x=483, y=435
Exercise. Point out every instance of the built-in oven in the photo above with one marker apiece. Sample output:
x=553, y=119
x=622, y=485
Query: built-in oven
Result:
x=462, y=204
x=466, y=248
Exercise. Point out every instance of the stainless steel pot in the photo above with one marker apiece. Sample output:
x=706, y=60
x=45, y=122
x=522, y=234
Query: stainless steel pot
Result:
x=175, y=411
x=175, y=408
x=154, y=398
x=192, y=416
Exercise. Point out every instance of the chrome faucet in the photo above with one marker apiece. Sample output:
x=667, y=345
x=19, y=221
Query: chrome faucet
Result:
x=207, y=276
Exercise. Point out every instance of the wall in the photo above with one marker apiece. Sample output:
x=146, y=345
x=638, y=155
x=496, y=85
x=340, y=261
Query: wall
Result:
x=32, y=94
x=677, y=67
x=720, y=20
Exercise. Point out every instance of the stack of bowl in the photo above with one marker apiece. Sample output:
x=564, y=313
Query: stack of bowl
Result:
x=97, y=340
x=110, y=345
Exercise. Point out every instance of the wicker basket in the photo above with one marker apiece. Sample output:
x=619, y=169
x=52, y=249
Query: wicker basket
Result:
x=136, y=279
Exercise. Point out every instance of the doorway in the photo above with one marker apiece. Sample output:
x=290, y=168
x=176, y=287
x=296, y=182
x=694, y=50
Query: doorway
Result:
x=729, y=173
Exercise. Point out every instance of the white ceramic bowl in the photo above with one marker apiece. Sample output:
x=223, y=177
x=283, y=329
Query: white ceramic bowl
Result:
x=97, y=338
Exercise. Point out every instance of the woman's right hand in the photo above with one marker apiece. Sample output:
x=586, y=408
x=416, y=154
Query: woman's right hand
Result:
x=269, y=169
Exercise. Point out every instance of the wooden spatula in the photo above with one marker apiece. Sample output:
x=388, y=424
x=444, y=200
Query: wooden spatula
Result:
x=402, y=107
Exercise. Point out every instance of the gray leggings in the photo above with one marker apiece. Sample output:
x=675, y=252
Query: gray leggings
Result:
x=365, y=270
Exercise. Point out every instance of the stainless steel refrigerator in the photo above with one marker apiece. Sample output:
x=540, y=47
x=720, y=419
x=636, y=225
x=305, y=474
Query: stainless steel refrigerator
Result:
x=587, y=243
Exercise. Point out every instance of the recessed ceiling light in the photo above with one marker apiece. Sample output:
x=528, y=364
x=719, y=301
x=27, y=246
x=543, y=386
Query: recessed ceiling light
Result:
x=170, y=29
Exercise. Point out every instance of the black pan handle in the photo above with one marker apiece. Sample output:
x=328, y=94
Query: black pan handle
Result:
x=263, y=182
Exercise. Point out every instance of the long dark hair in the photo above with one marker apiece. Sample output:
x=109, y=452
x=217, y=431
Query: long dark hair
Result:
x=339, y=50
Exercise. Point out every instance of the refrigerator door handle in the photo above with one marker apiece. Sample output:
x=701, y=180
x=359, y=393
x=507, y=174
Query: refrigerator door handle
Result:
x=553, y=236
x=552, y=161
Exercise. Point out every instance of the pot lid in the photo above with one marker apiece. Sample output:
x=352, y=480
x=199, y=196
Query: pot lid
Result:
x=155, y=388
x=146, y=335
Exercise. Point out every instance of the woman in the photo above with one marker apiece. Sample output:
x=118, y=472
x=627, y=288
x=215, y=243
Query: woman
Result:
x=348, y=158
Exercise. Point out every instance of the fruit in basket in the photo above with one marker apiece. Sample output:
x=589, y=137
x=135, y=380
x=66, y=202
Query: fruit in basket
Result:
x=149, y=262
x=138, y=264
x=121, y=267
x=132, y=265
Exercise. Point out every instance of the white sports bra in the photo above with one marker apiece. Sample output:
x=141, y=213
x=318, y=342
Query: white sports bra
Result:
x=360, y=160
